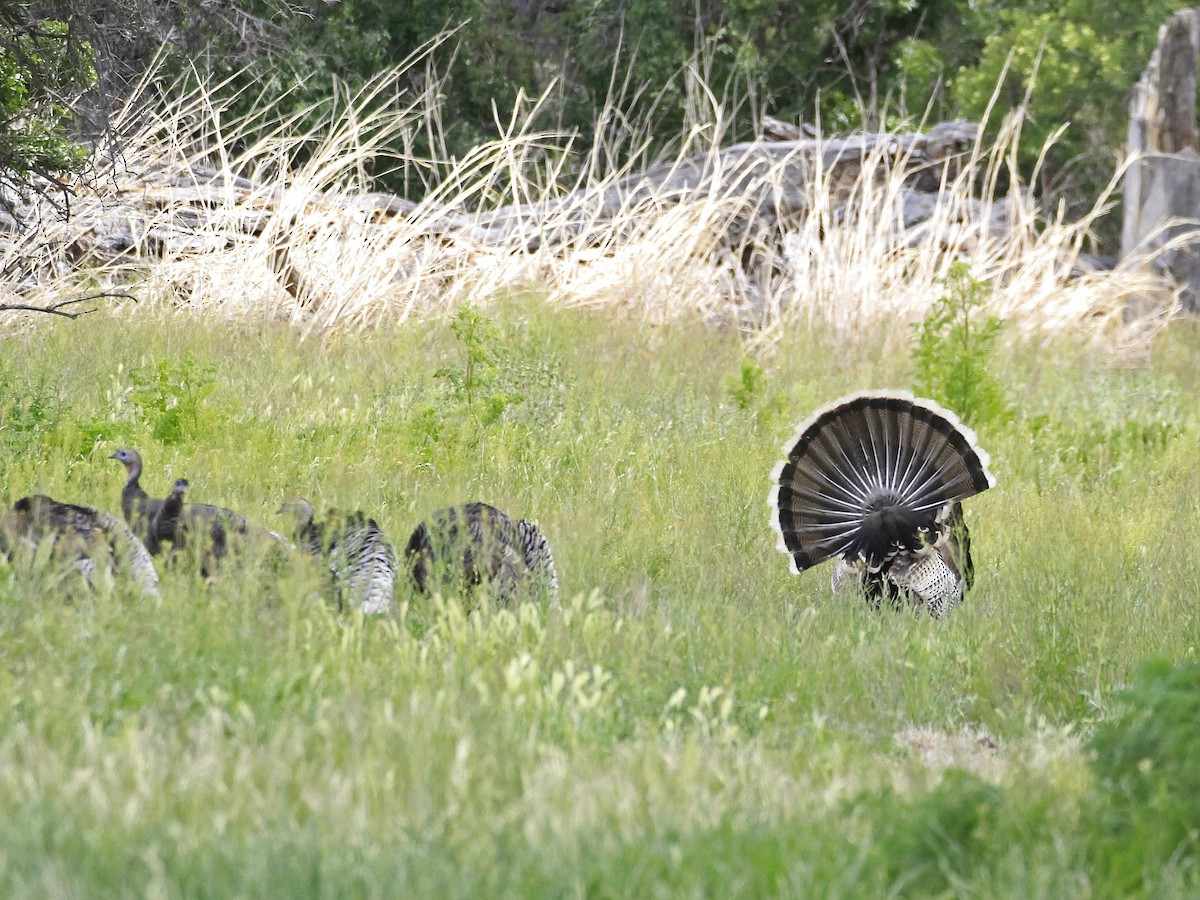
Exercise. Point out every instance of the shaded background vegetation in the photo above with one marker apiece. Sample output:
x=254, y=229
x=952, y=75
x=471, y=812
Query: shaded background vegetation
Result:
x=849, y=63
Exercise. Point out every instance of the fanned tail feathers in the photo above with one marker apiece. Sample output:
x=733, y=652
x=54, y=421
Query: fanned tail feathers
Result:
x=877, y=478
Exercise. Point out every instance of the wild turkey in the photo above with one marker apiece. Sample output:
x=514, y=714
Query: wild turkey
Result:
x=476, y=542
x=876, y=480
x=361, y=561
x=168, y=522
x=177, y=522
x=137, y=506
x=308, y=535
x=144, y=515
x=80, y=536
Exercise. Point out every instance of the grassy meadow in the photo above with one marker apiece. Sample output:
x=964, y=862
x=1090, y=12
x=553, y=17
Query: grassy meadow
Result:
x=693, y=721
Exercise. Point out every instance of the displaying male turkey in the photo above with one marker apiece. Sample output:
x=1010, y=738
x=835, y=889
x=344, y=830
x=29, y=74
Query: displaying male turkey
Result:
x=361, y=560
x=876, y=481
x=80, y=535
x=475, y=543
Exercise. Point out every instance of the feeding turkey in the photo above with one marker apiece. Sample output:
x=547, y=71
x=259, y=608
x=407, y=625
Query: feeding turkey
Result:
x=876, y=482
x=361, y=560
x=474, y=543
x=80, y=536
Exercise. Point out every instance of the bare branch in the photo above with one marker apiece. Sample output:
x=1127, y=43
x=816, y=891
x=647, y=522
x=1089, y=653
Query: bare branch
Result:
x=57, y=309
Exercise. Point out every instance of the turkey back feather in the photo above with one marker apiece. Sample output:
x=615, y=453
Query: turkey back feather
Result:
x=474, y=543
x=361, y=560
x=869, y=476
x=363, y=556
x=133, y=551
x=80, y=535
x=539, y=559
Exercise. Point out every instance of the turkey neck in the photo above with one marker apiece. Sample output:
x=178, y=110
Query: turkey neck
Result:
x=136, y=505
x=167, y=517
x=132, y=494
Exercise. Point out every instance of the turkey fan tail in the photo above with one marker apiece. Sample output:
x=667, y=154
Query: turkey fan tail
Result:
x=866, y=474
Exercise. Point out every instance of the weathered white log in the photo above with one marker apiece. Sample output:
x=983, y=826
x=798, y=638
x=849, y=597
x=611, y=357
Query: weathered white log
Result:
x=760, y=187
x=770, y=181
x=1161, y=189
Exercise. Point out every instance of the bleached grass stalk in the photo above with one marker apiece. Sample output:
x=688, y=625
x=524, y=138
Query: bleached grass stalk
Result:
x=849, y=261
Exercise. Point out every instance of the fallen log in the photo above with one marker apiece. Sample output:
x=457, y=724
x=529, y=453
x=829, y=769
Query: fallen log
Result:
x=766, y=184
x=751, y=194
x=770, y=182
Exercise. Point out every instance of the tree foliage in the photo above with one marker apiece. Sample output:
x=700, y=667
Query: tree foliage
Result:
x=44, y=67
x=1077, y=61
x=850, y=63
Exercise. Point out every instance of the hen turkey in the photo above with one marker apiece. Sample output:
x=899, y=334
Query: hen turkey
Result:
x=361, y=561
x=146, y=516
x=80, y=536
x=474, y=543
x=137, y=506
x=876, y=481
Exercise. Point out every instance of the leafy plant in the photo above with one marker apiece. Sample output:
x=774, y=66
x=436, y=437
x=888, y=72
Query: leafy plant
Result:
x=27, y=406
x=935, y=840
x=480, y=377
x=168, y=395
x=425, y=428
x=953, y=351
x=1147, y=760
x=746, y=388
x=1080, y=66
x=30, y=408
x=43, y=67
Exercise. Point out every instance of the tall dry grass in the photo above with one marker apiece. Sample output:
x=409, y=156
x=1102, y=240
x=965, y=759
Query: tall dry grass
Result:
x=264, y=215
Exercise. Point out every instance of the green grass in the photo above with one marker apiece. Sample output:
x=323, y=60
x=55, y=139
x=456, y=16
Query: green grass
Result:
x=693, y=722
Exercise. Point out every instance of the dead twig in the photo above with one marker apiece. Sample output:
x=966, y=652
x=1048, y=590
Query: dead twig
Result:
x=56, y=309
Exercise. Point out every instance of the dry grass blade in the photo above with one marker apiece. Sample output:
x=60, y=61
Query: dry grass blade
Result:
x=268, y=214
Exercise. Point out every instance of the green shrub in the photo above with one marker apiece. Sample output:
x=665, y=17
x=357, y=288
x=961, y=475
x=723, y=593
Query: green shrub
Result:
x=168, y=395
x=930, y=843
x=1146, y=757
x=479, y=382
x=747, y=387
x=954, y=349
x=43, y=67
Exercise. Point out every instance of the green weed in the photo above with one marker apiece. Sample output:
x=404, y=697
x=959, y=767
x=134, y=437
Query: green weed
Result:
x=479, y=381
x=168, y=395
x=748, y=386
x=954, y=348
x=1146, y=757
